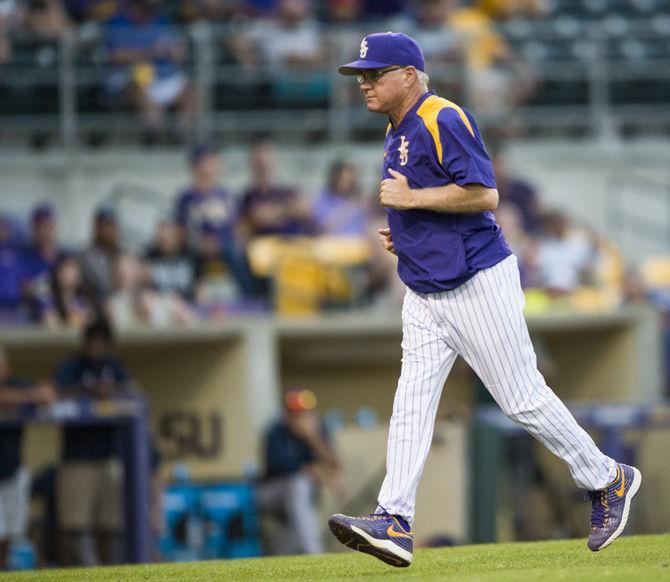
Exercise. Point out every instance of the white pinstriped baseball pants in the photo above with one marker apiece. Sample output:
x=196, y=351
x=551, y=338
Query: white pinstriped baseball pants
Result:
x=482, y=321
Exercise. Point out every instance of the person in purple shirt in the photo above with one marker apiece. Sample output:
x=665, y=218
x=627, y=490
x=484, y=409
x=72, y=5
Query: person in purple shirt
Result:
x=267, y=208
x=463, y=297
x=517, y=191
x=11, y=273
x=338, y=208
x=41, y=254
x=206, y=201
x=39, y=257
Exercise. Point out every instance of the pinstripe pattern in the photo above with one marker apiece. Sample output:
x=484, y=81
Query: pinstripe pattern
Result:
x=482, y=320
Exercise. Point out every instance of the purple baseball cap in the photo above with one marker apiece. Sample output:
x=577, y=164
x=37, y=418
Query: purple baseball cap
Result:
x=383, y=49
x=43, y=211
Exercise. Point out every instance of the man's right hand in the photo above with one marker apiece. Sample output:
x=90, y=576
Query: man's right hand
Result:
x=387, y=240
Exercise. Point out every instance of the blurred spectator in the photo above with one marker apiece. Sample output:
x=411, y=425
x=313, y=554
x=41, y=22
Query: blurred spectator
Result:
x=98, y=261
x=344, y=11
x=512, y=9
x=516, y=191
x=11, y=275
x=298, y=458
x=338, y=208
x=90, y=481
x=292, y=48
x=206, y=201
x=12, y=231
x=208, y=10
x=266, y=207
x=40, y=256
x=222, y=276
x=92, y=10
x=47, y=18
x=11, y=15
x=499, y=79
x=442, y=46
x=47, y=22
x=217, y=288
x=453, y=32
x=510, y=220
x=134, y=304
x=634, y=289
x=14, y=478
x=66, y=302
x=145, y=55
x=172, y=268
x=293, y=38
x=259, y=7
x=377, y=10
x=565, y=256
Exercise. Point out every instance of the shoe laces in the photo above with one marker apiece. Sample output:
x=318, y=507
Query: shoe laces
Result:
x=599, y=508
x=377, y=516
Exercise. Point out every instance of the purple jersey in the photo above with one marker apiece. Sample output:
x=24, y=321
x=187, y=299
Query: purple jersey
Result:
x=438, y=143
x=12, y=277
x=36, y=265
x=215, y=209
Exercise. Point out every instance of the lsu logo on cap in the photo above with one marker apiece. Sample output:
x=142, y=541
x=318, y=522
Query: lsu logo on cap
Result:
x=364, y=48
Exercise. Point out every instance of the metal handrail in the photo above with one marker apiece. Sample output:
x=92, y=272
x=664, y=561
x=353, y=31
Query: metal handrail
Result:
x=338, y=115
x=622, y=221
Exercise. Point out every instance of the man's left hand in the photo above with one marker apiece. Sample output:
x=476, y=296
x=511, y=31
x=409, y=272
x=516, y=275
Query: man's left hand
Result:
x=395, y=192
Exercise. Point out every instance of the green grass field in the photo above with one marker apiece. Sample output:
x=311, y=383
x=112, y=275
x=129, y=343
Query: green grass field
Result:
x=642, y=558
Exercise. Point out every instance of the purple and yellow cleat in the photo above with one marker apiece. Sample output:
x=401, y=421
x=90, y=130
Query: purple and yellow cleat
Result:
x=383, y=536
x=610, y=507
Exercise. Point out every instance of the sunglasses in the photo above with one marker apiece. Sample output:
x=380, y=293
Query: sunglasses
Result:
x=375, y=75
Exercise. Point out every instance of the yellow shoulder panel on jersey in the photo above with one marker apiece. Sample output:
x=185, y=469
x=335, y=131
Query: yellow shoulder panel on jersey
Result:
x=429, y=111
x=388, y=128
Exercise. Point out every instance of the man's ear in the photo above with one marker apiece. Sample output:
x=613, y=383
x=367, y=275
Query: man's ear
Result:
x=410, y=75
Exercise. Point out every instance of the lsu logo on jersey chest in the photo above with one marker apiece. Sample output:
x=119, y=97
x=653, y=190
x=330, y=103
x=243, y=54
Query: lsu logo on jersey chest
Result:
x=398, y=149
x=403, y=150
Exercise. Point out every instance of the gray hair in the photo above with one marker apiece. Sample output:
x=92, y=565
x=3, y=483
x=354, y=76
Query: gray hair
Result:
x=423, y=78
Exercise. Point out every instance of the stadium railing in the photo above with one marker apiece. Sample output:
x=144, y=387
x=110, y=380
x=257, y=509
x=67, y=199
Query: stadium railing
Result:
x=594, y=77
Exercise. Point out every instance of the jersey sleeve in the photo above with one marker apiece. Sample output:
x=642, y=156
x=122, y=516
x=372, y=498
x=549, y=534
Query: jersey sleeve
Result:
x=463, y=155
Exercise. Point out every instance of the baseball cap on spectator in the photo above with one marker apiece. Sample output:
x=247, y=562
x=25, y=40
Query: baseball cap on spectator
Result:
x=383, y=49
x=44, y=211
x=200, y=152
x=297, y=400
x=106, y=213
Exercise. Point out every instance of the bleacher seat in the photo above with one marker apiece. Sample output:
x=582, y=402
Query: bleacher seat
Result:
x=655, y=272
x=638, y=92
x=29, y=81
x=554, y=49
